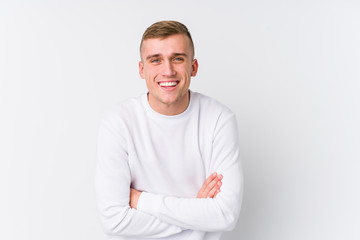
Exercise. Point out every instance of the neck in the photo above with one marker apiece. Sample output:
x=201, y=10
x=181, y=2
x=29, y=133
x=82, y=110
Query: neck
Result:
x=170, y=109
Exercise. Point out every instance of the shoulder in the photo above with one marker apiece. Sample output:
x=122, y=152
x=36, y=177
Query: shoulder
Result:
x=211, y=107
x=215, y=118
x=123, y=111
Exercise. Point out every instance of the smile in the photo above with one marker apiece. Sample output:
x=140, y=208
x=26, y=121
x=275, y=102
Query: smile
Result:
x=169, y=84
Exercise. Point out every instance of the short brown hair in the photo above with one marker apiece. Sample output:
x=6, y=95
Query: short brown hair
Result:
x=165, y=29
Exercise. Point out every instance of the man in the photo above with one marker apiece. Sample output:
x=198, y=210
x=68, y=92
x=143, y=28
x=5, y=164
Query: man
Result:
x=168, y=161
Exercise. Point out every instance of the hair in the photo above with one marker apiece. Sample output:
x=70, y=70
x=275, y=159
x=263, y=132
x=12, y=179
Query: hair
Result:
x=164, y=29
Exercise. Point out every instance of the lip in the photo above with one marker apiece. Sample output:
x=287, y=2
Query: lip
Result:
x=168, y=88
x=170, y=80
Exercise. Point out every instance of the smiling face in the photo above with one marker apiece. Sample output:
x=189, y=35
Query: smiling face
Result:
x=167, y=65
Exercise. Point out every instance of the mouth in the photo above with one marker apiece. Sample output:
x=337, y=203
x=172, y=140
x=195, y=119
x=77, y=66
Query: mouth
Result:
x=168, y=84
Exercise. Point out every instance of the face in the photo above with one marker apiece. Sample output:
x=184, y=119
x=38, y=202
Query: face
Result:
x=167, y=65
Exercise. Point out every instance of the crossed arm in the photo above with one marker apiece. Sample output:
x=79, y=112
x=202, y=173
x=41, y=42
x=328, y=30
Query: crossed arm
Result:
x=209, y=189
x=127, y=212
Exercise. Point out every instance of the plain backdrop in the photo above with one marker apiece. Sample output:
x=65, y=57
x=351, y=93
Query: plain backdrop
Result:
x=290, y=70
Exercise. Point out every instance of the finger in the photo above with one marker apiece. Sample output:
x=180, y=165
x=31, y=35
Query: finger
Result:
x=214, y=190
x=212, y=185
x=207, y=181
x=217, y=192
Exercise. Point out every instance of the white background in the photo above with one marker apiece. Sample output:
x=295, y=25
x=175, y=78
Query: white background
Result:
x=290, y=70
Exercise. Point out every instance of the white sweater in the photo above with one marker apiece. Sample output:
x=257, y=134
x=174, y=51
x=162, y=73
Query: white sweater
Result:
x=168, y=158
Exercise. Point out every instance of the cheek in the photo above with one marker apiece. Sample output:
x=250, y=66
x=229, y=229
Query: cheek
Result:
x=150, y=78
x=184, y=71
x=150, y=84
x=150, y=73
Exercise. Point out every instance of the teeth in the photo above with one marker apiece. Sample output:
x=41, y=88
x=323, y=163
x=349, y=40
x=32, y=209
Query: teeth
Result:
x=167, y=84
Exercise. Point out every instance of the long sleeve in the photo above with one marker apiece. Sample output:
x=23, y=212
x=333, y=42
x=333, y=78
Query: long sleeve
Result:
x=112, y=186
x=209, y=215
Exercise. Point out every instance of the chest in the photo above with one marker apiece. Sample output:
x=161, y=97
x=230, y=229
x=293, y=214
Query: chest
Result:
x=170, y=159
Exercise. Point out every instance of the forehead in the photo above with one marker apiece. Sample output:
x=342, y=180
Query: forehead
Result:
x=178, y=43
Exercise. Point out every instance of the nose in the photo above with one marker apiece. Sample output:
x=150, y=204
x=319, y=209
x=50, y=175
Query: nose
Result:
x=168, y=69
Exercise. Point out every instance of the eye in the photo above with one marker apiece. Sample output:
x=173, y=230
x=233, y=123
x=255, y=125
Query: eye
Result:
x=155, y=60
x=179, y=59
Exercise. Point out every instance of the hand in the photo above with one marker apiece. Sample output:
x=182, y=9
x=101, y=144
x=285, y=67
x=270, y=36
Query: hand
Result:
x=211, y=186
x=134, y=197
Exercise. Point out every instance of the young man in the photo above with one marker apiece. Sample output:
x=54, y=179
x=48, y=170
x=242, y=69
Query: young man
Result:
x=168, y=161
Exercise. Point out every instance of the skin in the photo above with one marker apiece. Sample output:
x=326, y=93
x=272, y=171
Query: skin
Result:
x=171, y=60
x=168, y=59
x=211, y=186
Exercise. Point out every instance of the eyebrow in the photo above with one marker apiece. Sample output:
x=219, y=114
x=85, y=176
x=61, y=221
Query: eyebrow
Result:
x=158, y=55
x=180, y=54
x=152, y=56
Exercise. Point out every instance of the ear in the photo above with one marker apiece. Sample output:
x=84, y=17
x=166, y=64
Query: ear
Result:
x=141, y=70
x=195, y=66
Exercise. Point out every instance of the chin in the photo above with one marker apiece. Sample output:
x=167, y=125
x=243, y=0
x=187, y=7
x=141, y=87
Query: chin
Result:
x=169, y=101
